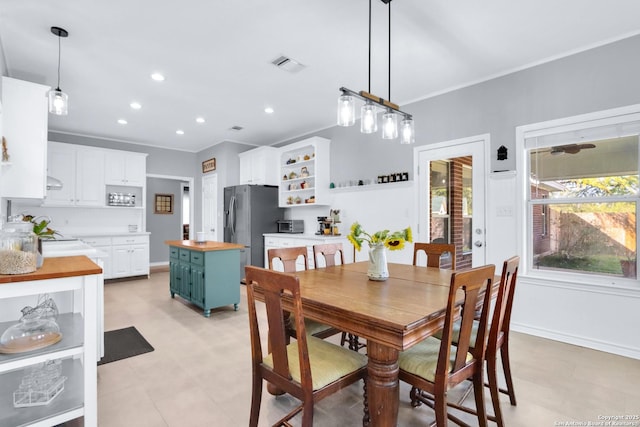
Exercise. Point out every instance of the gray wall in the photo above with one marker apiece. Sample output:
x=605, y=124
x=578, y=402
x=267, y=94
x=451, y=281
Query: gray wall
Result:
x=597, y=79
x=164, y=226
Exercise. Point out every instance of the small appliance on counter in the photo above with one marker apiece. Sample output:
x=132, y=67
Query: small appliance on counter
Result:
x=328, y=225
x=290, y=226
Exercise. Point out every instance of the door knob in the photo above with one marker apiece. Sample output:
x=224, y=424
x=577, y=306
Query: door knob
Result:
x=478, y=243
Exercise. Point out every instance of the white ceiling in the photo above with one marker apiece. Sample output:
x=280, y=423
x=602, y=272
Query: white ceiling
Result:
x=216, y=56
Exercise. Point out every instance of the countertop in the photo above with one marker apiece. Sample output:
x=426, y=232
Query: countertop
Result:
x=110, y=234
x=204, y=246
x=61, y=248
x=52, y=268
x=305, y=236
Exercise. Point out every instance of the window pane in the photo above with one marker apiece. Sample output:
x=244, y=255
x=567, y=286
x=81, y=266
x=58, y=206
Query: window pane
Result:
x=595, y=238
x=595, y=169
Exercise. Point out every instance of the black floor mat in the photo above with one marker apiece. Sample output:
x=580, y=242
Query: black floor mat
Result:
x=123, y=343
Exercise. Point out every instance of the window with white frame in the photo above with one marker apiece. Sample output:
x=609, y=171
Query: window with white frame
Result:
x=581, y=185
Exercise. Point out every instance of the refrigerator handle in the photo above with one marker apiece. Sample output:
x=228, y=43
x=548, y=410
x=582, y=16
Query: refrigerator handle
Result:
x=232, y=215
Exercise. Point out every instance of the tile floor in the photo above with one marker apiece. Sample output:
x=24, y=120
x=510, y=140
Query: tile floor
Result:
x=199, y=373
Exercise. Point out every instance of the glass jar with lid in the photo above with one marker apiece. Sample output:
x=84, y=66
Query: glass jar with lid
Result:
x=18, y=248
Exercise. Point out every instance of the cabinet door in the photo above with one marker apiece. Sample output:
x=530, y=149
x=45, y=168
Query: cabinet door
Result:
x=185, y=280
x=114, y=168
x=90, y=189
x=62, y=165
x=197, y=285
x=246, y=174
x=121, y=266
x=135, y=170
x=139, y=260
x=174, y=278
x=25, y=120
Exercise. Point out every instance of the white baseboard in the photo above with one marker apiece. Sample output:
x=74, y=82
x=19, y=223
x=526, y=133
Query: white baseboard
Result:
x=159, y=264
x=608, y=347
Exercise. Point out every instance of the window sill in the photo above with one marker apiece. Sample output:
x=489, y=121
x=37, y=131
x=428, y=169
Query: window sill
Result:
x=580, y=282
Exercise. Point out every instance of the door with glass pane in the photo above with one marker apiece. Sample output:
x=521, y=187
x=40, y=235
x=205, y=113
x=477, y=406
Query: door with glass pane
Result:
x=451, y=198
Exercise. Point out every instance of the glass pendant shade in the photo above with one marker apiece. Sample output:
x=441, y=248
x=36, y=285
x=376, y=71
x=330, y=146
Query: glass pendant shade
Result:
x=407, y=132
x=346, y=110
x=368, y=118
x=389, y=125
x=58, y=102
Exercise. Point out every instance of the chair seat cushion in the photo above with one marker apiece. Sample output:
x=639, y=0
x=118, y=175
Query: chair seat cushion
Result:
x=311, y=326
x=329, y=362
x=422, y=359
x=456, y=333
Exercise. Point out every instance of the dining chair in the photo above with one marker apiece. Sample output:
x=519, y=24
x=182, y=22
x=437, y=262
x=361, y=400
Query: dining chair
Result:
x=497, y=341
x=434, y=366
x=435, y=252
x=289, y=258
x=309, y=368
x=329, y=253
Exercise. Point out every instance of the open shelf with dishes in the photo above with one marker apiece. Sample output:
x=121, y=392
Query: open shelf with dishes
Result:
x=304, y=173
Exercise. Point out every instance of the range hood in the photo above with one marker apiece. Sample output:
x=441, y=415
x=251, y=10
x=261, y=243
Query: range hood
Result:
x=53, y=183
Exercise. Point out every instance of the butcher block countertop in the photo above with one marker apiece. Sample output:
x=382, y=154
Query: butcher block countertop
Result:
x=204, y=246
x=52, y=268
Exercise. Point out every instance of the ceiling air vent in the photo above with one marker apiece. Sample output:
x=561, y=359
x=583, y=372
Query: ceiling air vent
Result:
x=236, y=128
x=287, y=64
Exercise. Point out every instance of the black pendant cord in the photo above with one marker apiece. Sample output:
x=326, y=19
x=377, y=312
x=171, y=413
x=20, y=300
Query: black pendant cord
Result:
x=59, y=47
x=389, y=51
x=369, y=89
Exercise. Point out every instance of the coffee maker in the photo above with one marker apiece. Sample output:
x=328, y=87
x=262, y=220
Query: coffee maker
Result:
x=324, y=225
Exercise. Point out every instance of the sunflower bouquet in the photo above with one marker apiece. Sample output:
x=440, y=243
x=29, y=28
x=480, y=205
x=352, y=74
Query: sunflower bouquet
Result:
x=394, y=241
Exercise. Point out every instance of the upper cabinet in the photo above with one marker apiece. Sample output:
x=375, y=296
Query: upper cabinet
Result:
x=25, y=124
x=81, y=170
x=125, y=168
x=259, y=166
x=304, y=173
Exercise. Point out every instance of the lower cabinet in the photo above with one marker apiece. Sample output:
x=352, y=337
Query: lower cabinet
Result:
x=204, y=278
x=128, y=255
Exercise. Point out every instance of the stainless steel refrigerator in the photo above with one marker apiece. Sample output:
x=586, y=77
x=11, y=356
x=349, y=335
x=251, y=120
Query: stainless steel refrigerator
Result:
x=249, y=212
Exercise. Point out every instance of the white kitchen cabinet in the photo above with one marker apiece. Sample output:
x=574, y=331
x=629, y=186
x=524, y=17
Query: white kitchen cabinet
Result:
x=76, y=297
x=130, y=256
x=25, y=127
x=284, y=240
x=304, y=173
x=103, y=244
x=259, y=166
x=125, y=168
x=81, y=170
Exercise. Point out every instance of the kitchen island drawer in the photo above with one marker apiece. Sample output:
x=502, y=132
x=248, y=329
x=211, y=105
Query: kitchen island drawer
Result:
x=197, y=258
x=185, y=255
x=174, y=252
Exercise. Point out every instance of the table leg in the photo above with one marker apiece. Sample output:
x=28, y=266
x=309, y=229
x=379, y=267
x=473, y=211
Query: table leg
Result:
x=383, y=387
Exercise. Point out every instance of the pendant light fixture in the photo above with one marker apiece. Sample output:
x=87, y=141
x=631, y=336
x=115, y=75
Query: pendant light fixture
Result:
x=369, y=111
x=58, y=100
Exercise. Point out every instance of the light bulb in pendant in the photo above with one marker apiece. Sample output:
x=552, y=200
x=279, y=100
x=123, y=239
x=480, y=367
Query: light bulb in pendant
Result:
x=368, y=118
x=346, y=110
x=407, y=131
x=389, y=125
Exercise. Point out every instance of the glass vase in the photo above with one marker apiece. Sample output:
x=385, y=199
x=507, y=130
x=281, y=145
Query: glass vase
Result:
x=378, y=270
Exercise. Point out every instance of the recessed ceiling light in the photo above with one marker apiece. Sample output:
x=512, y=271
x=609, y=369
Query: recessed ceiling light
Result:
x=268, y=110
x=157, y=77
x=135, y=105
x=122, y=121
x=180, y=132
x=200, y=119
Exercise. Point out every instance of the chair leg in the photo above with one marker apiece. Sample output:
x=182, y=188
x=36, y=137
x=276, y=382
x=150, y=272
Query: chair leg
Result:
x=493, y=388
x=478, y=391
x=256, y=398
x=506, y=368
x=440, y=407
x=413, y=394
x=343, y=339
x=366, y=419
x=307, y=413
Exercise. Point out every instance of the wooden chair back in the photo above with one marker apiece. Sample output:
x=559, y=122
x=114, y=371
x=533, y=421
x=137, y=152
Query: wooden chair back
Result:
x=434, y=252
x=504, y=301
x=471, y=282
x=328, y=252
x=288, y=257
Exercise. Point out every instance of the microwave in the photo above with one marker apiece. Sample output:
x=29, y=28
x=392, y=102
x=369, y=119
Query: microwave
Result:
x=291, y=226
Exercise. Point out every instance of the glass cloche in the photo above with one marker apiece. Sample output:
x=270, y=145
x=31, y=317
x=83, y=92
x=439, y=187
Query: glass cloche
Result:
x=36, y=329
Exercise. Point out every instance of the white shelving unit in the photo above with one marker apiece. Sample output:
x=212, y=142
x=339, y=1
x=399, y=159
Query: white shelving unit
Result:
x=304, y=173
x=77, y=349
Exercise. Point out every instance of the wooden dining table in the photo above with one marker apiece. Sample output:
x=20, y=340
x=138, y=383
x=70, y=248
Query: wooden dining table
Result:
x=392, y=316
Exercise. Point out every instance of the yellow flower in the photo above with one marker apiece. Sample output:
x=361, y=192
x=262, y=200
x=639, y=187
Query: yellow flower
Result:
x=394, y=241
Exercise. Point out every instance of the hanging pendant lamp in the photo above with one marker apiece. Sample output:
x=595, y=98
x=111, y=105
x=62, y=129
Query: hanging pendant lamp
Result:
x=369, y=111
x=58, y=100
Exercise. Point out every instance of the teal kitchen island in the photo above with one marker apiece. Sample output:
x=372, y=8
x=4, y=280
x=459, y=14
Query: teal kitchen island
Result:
x=206, y=274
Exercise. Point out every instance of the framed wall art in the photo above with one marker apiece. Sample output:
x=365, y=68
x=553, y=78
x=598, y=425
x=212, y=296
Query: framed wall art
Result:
x=163, y=204
x=209, y=165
